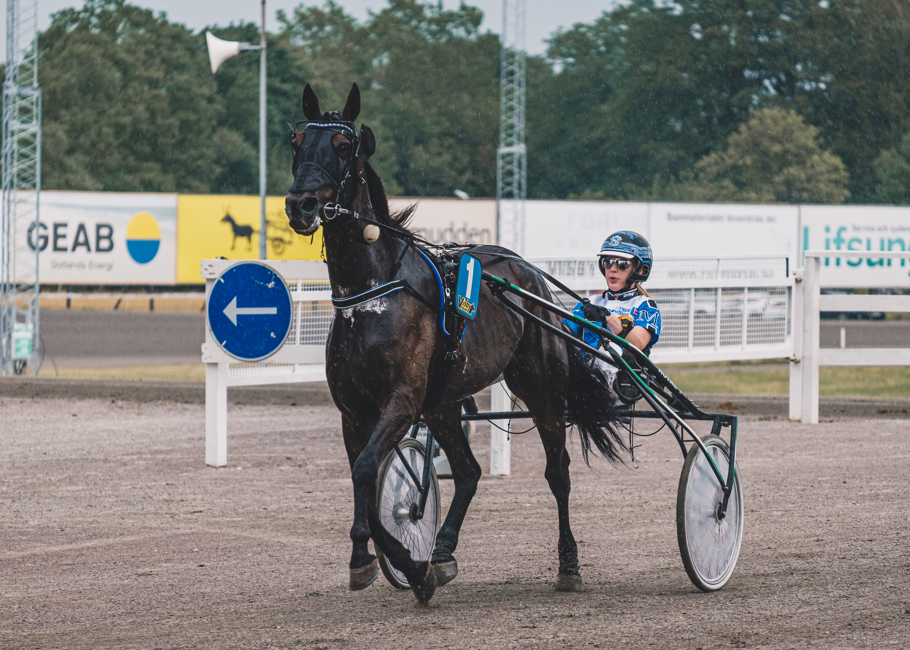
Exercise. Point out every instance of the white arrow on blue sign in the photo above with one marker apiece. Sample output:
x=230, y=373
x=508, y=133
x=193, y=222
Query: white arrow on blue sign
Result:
x=249, y=311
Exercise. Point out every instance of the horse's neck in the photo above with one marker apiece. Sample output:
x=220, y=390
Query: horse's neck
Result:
x=354, y=265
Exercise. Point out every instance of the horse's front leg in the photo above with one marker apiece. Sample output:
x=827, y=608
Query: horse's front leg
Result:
x=364, y=565
x=399, y=413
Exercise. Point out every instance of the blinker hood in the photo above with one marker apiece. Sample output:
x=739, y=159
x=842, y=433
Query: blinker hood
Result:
x=320, y=164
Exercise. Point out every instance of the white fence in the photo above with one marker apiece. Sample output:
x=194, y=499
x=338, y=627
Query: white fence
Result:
x=300, y=359
x=808, y=355
x=713, y=309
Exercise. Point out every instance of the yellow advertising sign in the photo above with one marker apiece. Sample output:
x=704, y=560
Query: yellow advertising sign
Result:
x=227, y=225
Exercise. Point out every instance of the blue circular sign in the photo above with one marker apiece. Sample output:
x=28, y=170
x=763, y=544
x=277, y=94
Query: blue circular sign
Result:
x=249, y=311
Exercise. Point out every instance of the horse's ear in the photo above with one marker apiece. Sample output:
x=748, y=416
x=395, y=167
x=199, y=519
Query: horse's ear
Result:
x=367, y=143
x=310, y=104
x=352, y=107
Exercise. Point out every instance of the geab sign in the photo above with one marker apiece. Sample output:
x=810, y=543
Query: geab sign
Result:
x=105, y=238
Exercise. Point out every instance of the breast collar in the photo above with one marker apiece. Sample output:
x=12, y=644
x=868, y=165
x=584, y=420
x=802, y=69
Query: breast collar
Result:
x=396, y=285
x=628, y=294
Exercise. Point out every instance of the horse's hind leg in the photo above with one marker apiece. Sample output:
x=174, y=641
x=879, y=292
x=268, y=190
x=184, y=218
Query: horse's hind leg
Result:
x=445, y=423
x=557, y=475
x=543, y=390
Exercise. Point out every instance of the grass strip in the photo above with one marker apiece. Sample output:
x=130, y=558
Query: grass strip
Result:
x=861, y=381
x=885, y=382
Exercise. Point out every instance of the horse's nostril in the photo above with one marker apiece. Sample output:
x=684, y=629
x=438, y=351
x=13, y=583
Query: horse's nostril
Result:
x=308, y=205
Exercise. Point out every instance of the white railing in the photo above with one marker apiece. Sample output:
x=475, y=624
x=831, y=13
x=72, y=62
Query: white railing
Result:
x=808, y=355
x=713, y=309
x=300, y=359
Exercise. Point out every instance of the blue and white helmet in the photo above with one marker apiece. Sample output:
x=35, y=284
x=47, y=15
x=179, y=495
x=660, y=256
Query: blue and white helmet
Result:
x=629, y=245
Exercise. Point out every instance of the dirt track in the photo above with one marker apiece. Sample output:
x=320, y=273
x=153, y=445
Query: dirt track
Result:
x=114, y=534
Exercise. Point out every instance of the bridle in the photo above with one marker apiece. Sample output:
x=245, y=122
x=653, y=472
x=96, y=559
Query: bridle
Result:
x=362, y=146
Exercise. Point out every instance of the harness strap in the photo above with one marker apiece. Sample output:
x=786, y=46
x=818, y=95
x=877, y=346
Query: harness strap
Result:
x=391, y=287
x=368, y=295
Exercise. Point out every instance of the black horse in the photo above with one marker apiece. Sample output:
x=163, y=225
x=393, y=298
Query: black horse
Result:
x=384, y=357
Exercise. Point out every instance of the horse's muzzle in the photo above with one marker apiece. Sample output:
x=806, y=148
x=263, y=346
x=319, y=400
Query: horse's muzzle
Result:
x=303, y=213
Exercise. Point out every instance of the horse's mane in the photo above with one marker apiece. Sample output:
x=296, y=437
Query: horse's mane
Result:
x=399, y=219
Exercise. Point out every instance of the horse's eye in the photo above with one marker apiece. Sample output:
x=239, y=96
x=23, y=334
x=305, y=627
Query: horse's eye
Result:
x=344, y=149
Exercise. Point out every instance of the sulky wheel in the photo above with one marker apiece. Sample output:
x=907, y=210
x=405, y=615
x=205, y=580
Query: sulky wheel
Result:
x=397, y=500
x=708, y=544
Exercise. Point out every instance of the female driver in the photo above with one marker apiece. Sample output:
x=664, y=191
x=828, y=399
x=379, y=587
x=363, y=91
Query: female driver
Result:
x=625, y=308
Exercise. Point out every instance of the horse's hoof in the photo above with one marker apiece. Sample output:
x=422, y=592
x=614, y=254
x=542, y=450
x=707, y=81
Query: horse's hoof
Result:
x=445, y=572
x=569, y=583
x=364, y=576
x=427, y=587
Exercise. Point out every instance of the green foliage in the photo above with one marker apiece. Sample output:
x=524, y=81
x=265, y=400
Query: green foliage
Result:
x=430, y=89
x=650, y=88
x=639, y=102
x=775, y=157
x=893, y=170
x=128, y=102
x=854, y=81
x=131, y=104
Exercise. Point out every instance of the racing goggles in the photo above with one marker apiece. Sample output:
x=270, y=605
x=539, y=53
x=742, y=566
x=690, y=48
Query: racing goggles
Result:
x=621, y=264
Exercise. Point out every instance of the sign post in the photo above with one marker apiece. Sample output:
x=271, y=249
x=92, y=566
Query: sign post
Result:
x=248, y=312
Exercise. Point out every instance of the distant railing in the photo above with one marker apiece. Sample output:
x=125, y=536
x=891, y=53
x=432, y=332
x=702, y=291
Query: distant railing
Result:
x=712, y=308
x=808, y=353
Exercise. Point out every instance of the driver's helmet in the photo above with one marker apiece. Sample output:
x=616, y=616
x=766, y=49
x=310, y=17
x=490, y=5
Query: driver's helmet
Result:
x=629, y=245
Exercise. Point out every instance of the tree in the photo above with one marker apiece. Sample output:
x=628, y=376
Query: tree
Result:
x=774, y=157
x=430, y=89
x=853, y=81
x=129, y=103
x=651, y=87
x=893, y=170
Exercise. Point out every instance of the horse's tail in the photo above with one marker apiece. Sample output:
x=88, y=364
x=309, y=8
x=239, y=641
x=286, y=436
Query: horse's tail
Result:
x=590, y=407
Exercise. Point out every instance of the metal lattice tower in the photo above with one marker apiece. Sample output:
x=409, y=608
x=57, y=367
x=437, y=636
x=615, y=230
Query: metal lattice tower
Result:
x=512, y=155
x=21, y=180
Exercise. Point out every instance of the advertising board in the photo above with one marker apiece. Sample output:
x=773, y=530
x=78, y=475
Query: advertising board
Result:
x=578, y=228
x=105, y=238
x=444, y=220
x=725, y=230
x=228, y=225
x=223, y=225
x=864, y=229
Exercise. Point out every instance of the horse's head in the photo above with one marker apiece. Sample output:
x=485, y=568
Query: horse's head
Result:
x=326, y=153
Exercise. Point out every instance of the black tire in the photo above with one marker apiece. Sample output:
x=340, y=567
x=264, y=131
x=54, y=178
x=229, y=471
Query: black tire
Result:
x=395, y=494
x=709, y=546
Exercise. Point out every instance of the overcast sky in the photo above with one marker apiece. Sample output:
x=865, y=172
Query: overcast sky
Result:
x=542, y=18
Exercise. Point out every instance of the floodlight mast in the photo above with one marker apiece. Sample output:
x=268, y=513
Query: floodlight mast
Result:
x=512, y=155
x=20, y=234
x=219, y=52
